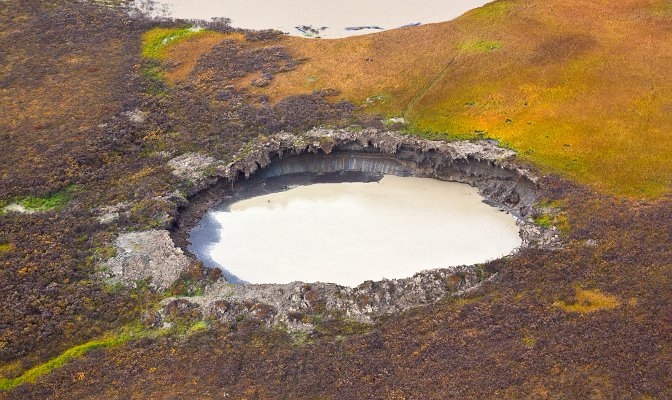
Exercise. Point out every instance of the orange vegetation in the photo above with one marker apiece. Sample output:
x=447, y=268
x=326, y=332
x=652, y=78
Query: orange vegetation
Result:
x=578, y=87
x=588, y=301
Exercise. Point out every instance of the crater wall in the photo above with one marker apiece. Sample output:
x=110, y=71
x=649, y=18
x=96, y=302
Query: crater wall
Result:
x=492, y=169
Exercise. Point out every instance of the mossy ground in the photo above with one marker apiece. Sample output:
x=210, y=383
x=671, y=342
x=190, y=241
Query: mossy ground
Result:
x=156, y=41
x=50, y=201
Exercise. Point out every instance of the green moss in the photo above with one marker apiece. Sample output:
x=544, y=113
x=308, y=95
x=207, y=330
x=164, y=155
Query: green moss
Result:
x=544, y=220
x=112, y=340
x=49, y=202
x=198, y=326
x=450, y=134
x=551, y=215
x=154, y=76
x=68, y=355
x=152, y=72
x=480, y=46
x=100, y=254
x=529, y=341
x=6, y=247
x=52, y=201
x=156, y=41
x=547, y=221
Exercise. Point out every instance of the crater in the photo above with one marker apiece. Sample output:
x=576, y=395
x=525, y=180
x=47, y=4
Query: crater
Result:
x=366, y=158
x=345, y=218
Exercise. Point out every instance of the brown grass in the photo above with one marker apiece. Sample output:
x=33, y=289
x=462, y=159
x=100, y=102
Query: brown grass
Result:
x=188, y=52
x=588, y=301
x=53, y=95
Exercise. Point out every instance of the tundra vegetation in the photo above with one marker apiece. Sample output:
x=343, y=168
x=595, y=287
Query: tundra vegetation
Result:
x=94, y=101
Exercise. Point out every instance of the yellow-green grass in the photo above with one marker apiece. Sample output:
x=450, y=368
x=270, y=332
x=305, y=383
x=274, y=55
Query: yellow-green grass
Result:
x=75, y=352
x=6, y=247
x=51, y=201
x=156, y=41
x=108, y=341
x=479, y=45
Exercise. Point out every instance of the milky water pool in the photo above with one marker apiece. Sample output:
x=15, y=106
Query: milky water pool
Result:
x=348, y=233
x=338, y=18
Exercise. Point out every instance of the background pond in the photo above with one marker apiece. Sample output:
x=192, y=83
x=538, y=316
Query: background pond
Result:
x=328, y=19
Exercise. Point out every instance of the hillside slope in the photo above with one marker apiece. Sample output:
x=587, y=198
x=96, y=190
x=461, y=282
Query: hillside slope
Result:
x=578, y=87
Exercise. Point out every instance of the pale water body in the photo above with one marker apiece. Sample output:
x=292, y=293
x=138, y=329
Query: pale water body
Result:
x=335, y=15
x=348, y=233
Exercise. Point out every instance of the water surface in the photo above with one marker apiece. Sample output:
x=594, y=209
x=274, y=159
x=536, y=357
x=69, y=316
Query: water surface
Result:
x=347, y=233
x=336, y=16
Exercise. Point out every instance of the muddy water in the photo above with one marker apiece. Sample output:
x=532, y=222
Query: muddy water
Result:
x=347, y=233
x=335, y=16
